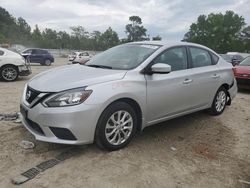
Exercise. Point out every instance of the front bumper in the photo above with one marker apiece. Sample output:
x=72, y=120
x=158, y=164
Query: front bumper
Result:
x=80, y=120
x=24, y=70
x=243, y=82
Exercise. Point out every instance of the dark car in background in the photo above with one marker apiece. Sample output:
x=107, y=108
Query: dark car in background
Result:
x=233, y=59
x=36, y=55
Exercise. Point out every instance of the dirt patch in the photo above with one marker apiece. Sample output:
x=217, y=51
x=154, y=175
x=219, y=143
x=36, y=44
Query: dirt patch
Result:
x=203, y=150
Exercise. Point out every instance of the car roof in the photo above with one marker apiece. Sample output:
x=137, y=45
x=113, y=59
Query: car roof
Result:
x=170, y=44
x=244, y=55
x=35, y=49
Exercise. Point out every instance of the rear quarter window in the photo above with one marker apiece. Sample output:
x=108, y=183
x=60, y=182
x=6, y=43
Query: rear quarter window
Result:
x=215, y=58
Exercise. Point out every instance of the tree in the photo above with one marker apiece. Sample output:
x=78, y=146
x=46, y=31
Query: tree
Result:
x=23, y=31
x=7, y=26
x=217, y=31
x=244, y=37
x=109, y=38
x=36, y=37
x=63, y=40
x=135, y=31
x=156, y=38
x=49, y=38
x=95, y=38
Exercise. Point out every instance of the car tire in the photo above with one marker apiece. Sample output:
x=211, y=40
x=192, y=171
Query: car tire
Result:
x=47, y=62
x=112, y=131
x=219, y=102
x=8, y=73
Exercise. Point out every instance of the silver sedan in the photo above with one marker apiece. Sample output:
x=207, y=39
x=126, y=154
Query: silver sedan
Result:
x=123, y=90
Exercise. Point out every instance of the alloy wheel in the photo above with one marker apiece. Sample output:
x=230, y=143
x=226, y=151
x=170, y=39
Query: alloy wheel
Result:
x=119, y=127
x=9, y=73
x=220, y=101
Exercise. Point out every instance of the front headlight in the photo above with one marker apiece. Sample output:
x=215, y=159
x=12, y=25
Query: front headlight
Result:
x=67, y=98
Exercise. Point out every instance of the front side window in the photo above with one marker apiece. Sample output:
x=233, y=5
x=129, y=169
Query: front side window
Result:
x=27, y=51
x=175, y=57
x=200, y=57
x=123, y=57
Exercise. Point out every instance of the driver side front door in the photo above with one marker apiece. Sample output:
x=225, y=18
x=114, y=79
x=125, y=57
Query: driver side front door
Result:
x=172, y=93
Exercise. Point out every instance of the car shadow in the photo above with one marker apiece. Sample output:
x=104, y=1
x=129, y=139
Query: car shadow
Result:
x=245, y=91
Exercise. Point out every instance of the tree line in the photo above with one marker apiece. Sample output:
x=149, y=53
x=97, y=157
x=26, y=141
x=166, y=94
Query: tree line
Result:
x=220, y=32
x=18, y=31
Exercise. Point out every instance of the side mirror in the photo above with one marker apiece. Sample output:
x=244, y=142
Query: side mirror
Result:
x=161, y=68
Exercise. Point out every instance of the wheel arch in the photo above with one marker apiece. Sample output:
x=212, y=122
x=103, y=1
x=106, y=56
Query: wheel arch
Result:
x=8, y=64
x=135, y=105
x=227, y=87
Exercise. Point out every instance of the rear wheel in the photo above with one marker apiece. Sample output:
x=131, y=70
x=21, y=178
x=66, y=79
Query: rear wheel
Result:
x=219, y=102
x=116, y=126
x=9, y=73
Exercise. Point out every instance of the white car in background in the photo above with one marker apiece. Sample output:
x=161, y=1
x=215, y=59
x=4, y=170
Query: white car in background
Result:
x=12, y=65
x=79, y=57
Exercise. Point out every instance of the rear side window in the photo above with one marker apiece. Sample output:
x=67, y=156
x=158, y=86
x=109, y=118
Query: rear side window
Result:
x=1, y=52
x=200, y=57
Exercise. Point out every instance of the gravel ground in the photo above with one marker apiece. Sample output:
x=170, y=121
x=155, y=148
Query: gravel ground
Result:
x=197, y=150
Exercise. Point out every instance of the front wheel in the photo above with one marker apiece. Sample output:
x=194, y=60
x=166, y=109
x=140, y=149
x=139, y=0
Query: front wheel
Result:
x=116, y=126
x=9, y=73
x=219, y=102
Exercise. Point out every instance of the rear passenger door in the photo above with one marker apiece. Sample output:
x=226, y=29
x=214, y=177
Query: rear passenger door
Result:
x=205, y=75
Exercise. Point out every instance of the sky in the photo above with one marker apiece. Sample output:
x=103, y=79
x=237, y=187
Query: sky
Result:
x=168, y=18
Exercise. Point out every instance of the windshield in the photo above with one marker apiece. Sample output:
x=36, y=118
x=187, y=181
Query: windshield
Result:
x=123, y=57
x=245, y=62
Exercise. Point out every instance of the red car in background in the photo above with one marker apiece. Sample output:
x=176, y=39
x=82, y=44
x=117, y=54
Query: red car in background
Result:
x=242, y=73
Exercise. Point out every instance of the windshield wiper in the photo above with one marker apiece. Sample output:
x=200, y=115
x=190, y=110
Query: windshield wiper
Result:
x=100, y=66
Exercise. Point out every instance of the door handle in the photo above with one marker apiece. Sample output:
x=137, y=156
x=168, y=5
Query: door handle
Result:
x=187, y=81
x=215, y=76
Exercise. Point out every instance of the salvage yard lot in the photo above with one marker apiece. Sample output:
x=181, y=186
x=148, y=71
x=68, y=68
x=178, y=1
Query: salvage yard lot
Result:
x=197, y=150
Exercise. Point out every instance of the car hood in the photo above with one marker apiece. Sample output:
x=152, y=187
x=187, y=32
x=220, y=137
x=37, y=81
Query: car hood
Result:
x=73, y=76
x=242, y=69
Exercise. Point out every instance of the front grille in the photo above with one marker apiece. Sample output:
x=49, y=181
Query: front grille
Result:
x=243, y=81
x=34, y=126
x=31, y=94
